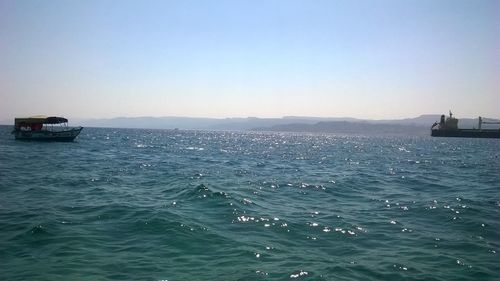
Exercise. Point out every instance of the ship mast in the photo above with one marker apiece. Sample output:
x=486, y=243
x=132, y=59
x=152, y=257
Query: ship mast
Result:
x=486, y=122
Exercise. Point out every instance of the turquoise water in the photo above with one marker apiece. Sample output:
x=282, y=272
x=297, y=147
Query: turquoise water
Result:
x=128, y=204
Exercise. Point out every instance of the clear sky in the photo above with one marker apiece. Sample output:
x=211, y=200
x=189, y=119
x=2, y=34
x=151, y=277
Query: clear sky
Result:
x=365, y=59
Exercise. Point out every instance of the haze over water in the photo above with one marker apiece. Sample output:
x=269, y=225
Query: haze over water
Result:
x=132, y=204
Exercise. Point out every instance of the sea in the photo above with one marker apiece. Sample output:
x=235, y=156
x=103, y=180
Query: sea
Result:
x=139, y=204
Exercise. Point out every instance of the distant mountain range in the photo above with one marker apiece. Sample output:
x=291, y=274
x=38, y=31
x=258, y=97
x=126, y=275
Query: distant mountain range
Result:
x=409, y=126
x=418, y=125
x=250, y=123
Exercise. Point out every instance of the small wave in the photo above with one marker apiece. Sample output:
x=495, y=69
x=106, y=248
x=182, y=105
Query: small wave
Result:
x=202, y=191
x=39, y=230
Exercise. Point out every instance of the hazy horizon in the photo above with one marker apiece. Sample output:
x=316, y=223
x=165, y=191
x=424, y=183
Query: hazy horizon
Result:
x=237, y=59
x=9, y=121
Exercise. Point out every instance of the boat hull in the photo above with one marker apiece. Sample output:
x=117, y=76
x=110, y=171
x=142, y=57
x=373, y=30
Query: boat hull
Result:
x=466, y=133
x=46, y=135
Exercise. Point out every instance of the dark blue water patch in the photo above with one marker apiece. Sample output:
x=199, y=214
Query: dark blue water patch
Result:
x=121, y=204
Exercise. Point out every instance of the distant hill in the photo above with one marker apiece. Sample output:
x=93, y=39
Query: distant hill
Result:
x=188, y=123
x=426, y=119
x=408, y=126
x=343, y=127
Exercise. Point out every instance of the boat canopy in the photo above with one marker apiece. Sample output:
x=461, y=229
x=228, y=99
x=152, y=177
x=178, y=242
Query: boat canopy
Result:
x=21, y=122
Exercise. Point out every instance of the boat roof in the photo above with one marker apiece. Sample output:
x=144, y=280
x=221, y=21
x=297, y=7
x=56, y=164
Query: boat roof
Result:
x=41, y=120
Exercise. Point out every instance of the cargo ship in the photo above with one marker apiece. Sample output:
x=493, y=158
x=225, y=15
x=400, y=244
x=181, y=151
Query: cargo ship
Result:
x=448, y=127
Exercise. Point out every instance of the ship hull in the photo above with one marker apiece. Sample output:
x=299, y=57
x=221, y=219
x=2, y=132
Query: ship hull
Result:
x=46, y=135
x=466, y=133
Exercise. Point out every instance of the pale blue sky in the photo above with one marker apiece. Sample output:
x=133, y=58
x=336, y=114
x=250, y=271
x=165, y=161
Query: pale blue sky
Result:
x=366, y=59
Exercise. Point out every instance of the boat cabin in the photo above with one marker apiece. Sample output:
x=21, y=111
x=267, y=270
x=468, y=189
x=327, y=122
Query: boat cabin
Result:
x=36, y=123
x=451, y=123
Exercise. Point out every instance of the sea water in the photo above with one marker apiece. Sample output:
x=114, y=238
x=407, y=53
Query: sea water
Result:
x=136, y=204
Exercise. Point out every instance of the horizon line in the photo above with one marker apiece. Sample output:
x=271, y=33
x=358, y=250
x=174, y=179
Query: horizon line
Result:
x=3, y=121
